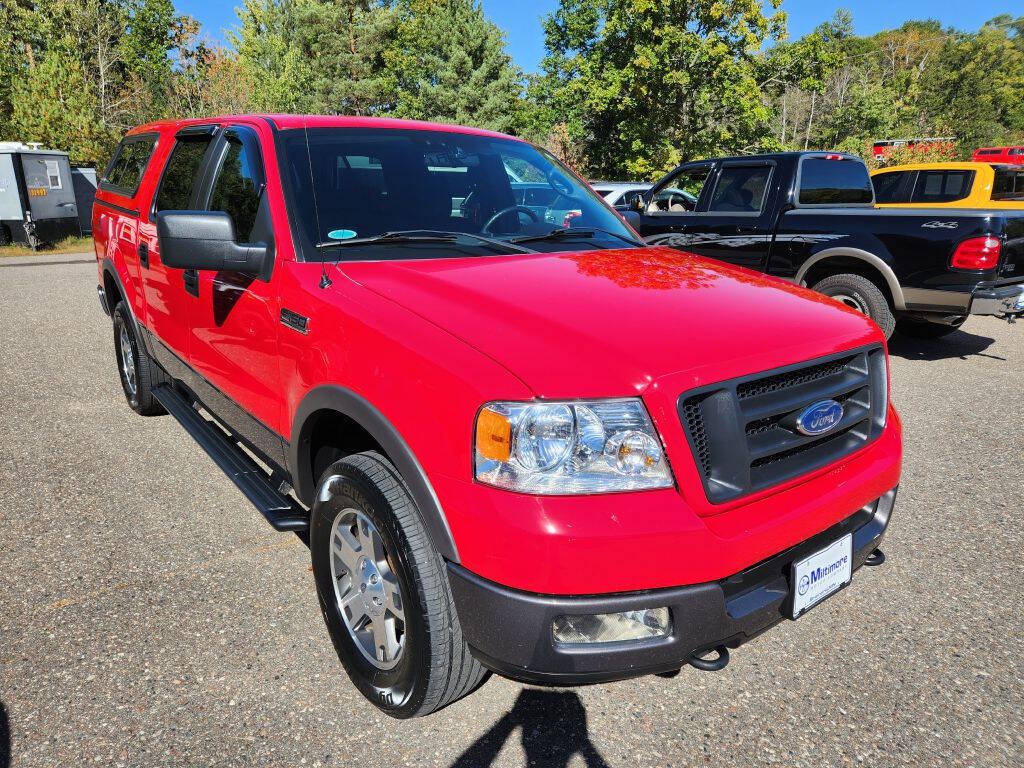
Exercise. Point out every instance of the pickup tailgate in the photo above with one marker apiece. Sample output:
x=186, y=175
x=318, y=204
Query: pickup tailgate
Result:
x=1012, y=259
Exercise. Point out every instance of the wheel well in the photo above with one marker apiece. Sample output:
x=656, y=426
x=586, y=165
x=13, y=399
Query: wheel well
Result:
x=111, y=291
x=328, y=436
x=838, y=265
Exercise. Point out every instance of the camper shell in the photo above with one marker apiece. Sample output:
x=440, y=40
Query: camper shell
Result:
x=37, y=195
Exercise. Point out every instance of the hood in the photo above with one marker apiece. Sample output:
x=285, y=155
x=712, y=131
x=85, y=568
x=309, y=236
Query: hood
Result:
x=608, y=323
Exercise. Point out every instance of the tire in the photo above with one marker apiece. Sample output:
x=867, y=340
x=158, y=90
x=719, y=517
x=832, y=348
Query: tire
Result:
x=138, y=388
x=861, y=294
x=922, y=329
x=425, y=663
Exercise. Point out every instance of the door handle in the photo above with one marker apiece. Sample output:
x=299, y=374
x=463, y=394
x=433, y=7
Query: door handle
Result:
x=191, y=278
x=144, y=255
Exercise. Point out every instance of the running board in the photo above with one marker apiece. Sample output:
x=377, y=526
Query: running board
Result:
x=281, y=511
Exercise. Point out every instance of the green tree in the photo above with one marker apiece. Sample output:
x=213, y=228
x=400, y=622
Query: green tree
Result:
x=643, y=84
x=448, y=63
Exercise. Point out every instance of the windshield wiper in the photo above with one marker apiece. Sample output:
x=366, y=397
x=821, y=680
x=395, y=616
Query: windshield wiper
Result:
x=563, y=232
x=421, y=236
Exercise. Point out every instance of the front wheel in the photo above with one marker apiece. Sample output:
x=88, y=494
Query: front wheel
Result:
x=922, y=329
x=857, y=292
x=384, y=591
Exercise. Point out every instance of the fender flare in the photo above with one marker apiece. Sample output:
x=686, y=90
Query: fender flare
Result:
x=886, y=271
x=110, y=269
x=348, y=403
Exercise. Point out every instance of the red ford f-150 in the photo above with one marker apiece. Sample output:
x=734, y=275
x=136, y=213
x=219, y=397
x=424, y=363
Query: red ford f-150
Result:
x=549, y=451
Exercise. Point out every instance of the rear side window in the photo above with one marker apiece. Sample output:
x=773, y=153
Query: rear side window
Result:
x=740, y=189
x=128, y=165
x=181, y=174
x=236, y=191
x=1008, y=185
x=942, y=186
x=827, y=181
x=888, y=186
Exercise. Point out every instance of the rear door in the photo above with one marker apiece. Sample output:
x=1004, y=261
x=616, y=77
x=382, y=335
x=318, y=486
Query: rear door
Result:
x=116, y=212
x=236, y=317
x=169, y=310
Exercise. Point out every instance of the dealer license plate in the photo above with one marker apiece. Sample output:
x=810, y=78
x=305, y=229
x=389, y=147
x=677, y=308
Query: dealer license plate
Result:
x=819, y=575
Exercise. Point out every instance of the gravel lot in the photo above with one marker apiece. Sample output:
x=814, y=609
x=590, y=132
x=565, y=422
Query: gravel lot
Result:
x=149, y=617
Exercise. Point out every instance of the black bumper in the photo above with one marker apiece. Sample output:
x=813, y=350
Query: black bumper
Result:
x=510, y=631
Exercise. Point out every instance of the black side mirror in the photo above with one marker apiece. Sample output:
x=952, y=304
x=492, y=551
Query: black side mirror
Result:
x=636, y=203
x=206, y=240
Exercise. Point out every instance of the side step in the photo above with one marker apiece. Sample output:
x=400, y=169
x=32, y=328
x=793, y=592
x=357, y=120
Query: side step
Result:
x=281, y=511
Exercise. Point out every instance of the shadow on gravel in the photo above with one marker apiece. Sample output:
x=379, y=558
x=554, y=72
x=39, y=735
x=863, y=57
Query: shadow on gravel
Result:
x=553, y=729
x=5, y=738
x=958, y=344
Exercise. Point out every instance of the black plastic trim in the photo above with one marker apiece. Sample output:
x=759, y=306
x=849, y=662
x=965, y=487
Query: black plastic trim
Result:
x=510, y=631
x=360, y=410
x=115, y=207
x=258, y=486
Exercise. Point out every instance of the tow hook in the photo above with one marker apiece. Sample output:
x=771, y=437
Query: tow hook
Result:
x=698, y=661
x=875, y=558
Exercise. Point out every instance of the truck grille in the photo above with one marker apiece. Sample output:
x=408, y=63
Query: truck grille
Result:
x=743, y=432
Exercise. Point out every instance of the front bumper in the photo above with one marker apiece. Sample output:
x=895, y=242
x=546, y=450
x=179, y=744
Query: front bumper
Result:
x=510, y=631
x=1007, y=300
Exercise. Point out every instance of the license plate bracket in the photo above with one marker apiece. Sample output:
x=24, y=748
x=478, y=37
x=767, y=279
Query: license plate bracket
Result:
x=820, y=574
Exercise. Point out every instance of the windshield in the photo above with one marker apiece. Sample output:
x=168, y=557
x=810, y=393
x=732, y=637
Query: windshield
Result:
x=356, y=184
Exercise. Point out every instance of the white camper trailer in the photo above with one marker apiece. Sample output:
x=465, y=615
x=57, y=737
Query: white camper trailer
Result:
x=37, y=195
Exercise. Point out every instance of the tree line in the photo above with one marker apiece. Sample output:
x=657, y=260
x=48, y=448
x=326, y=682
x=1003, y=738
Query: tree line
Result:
x=627, y=88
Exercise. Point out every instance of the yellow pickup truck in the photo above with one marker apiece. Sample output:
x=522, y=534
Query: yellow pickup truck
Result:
x=950, y=185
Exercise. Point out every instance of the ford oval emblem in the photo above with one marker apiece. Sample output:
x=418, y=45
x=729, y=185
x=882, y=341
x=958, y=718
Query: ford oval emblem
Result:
x=819, y=418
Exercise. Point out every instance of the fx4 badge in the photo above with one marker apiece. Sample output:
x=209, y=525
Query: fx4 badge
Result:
x=940, y=225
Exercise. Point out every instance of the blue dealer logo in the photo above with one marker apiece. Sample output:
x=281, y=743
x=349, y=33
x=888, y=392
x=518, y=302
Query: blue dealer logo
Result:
x=819, y=418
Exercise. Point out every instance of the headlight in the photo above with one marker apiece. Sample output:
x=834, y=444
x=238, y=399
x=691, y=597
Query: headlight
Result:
x=596, y=446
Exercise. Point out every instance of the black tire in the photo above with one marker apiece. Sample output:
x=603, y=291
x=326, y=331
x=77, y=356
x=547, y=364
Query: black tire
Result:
x=5, y=235
x=860, y=293
x=435, y=667
x=922, y=329
x=140, y=395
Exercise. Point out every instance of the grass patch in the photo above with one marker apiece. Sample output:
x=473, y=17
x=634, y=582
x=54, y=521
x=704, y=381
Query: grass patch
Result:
x=71, y=245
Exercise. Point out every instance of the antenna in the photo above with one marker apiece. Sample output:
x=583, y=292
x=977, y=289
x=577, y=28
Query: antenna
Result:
x=325, y=281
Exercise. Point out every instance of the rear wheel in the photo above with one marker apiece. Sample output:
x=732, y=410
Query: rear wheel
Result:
x=384, y=591
x=857, y=292
x=922, y=329
x=134, y=367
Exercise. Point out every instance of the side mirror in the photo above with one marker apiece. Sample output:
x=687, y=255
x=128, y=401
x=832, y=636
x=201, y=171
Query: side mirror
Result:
x=636, y=203
x=206, y=240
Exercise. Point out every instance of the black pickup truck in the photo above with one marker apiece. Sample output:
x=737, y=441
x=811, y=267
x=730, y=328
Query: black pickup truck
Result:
x=809, y=217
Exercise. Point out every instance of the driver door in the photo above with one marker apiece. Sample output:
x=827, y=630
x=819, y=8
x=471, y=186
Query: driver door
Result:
x=673, y=211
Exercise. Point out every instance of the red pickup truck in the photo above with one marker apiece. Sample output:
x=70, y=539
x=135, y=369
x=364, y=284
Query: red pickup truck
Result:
x=545, y=450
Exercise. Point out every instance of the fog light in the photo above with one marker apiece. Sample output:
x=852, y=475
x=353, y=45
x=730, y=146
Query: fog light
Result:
x=613, y=627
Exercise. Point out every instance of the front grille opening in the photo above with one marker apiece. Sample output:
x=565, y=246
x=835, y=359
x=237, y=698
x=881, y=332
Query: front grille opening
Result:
x=695, y=427
x=817, y=445
x=792, y=378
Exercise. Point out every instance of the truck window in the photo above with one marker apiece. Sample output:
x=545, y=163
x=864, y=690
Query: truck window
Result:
x=128, y=165
x=888, y=186
x=828, y=181
x=942, y=186
x=179, y=178
x=741, y=189
x=236, y=190
x=1008, y=185
x=682, y=191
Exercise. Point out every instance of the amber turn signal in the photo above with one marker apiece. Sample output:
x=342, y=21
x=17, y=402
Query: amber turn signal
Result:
x=493, y=435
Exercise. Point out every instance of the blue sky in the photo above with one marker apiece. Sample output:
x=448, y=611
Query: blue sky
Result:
x=521, y=18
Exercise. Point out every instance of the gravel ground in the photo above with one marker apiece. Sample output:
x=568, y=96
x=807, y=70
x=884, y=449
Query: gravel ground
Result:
x=149, y=617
